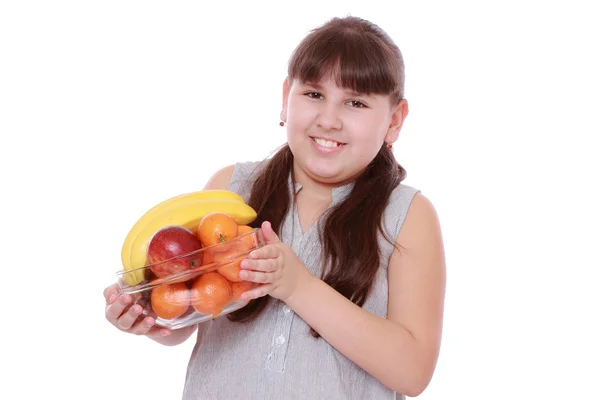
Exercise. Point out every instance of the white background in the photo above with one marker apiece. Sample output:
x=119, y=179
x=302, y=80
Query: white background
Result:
x=108, y=107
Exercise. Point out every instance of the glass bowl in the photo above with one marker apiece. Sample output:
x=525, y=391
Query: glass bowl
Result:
x=208, y=286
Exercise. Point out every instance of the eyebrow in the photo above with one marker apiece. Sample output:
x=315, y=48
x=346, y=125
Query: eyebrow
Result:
x=314, y=84
x=320, y=87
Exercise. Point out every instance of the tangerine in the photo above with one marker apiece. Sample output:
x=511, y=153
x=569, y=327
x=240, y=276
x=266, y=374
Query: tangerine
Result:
x=231, y=270
x=210, y=293
x=248, y=240
x=217, y=228
x=170, y=301
x=218, y=256
x=228, y=262
x=240, y=287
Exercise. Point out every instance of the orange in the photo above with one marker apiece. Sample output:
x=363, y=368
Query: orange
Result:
x=217, y=228
x=208, y=257
x=231, y=270
x=227, y=265
x=170, y=301
x=210, y=293
x=244, y=229
x=217, y=256
x=248, y=240
x=240, y=287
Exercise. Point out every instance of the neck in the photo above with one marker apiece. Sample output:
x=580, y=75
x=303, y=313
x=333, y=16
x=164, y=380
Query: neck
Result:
x=315, y=189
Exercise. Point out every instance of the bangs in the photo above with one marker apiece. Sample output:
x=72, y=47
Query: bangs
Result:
x=359, y=61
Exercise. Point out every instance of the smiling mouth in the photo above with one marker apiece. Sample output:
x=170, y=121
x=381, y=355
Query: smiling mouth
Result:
x=327, y=143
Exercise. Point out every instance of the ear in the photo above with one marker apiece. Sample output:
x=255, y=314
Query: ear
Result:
x=285, y=93
x=399, y=113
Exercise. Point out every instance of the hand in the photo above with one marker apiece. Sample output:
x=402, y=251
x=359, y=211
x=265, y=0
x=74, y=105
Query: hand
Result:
x=129, y=318
x=275, y=266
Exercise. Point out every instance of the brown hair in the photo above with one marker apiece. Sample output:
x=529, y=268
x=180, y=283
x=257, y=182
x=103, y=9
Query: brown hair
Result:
x=360, y=57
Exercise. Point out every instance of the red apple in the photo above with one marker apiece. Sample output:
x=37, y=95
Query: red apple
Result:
x=170, y=244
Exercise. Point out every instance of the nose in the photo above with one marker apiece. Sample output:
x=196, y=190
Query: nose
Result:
x=329, y=118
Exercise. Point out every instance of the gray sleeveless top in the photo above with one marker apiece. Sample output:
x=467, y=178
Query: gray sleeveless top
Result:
x=274, y=356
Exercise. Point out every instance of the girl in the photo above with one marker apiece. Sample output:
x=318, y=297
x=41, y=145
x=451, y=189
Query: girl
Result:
x=352, y=275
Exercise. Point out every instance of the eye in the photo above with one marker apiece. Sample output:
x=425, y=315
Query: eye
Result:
x=357, y=104
x=314, y=95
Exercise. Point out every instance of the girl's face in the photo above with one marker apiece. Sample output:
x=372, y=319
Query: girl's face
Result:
x=335, y=133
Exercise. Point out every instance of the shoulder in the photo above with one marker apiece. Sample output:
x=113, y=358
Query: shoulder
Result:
x=223, y=178
x=237, y=177
x=398, y=205
x=403, y=195
x=246, y=170
x=220, y=179
x=421, y=226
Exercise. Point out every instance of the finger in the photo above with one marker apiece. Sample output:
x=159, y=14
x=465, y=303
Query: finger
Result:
x=259, y=291
x=147, y=326
x=268, y=251
x=158, y=332
x=268, y=265
x=128, y=319
x=257, y=277
x=142, y=326
x=114, y=310
x=110, y=291
x=269, y=234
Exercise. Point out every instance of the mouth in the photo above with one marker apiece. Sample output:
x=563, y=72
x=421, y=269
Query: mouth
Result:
x=326, y=142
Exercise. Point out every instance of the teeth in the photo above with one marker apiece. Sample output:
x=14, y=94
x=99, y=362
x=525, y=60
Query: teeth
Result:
x=326, y=143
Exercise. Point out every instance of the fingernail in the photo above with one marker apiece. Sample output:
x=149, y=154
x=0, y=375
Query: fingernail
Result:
x=113, y=298
x=244, y=264
x=165, y=333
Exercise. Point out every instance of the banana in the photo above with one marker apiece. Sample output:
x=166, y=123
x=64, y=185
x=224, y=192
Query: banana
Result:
x=187, y=215
x=171, y=203
x=136, y=276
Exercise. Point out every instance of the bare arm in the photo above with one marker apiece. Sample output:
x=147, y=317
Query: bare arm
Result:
x=402, y=350
x=127, y=318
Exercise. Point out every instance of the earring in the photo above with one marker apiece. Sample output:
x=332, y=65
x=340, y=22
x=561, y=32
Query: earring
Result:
x=388, y=146
x=281, y=123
